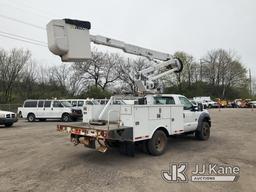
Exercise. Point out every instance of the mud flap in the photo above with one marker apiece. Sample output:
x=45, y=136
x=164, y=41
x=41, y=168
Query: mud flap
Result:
x=127, y=148
x=88, y=142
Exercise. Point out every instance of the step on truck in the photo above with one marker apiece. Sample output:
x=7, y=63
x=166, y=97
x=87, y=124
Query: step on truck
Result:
x=147, y=123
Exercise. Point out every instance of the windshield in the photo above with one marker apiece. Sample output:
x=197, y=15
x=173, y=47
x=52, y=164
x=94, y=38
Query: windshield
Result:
x=66, y=104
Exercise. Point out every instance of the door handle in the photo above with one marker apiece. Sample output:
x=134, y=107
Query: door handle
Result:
x=51, y=108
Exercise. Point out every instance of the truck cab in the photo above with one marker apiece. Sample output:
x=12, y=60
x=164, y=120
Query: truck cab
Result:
x=191, y=113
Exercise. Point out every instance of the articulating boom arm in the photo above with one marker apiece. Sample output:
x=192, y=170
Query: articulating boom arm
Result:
x=70, y=39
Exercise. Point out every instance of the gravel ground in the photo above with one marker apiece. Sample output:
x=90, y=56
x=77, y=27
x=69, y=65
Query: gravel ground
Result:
x=34, y=157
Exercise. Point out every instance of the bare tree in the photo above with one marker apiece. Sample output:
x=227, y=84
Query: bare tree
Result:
x=223, y=69
x=11, y=65
x=128, y=71
x=60, y=74
x=28, y=79
x=99, y=71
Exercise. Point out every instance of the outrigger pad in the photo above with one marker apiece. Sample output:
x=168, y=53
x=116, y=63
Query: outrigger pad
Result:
x=79, y=23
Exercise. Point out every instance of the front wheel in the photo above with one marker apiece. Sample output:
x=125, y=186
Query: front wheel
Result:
x=203, y=133
x=157, y=144
x=8, y=124
x=31, y=117
x=65, y=117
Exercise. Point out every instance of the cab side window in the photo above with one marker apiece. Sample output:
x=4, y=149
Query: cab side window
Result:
x=30, y=104
x=47, y=104
x=57, y=104
x=40, y=103
x=186, y=103
x=163, y=100
x=74, y=103
x=80, y=103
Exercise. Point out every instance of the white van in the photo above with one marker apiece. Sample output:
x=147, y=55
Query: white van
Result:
x=48, y=109
x=80, y=103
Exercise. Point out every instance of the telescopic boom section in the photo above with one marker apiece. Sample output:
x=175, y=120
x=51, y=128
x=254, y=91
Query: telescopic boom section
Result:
x=131, y=49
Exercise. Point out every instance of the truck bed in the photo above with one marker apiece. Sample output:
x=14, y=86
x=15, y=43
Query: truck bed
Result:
x=82, y=125
x=108, y=131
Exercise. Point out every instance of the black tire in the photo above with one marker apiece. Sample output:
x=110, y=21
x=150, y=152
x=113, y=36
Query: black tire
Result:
x=65, y=117
x=31, y=117
x=42, y=119
x=157, y=144
x=8, y=124
x=203, y=133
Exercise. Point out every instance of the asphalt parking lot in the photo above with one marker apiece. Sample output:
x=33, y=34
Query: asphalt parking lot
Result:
x=35, y=157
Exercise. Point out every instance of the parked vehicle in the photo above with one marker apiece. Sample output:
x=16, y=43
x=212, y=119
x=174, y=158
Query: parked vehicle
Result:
x=242, y=103
x=48, y=109
x=148, y=124
x=252, y=104
x=223, y=103
x=113, y=102
x=7, y=118
x=206, y=102
x=81, y=102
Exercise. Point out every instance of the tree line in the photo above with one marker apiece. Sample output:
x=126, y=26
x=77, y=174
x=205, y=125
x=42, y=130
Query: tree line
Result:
x=219, y=73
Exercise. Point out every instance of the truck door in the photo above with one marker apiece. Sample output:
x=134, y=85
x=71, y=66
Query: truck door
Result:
x=47, y=112
x=57, y=109
x=40, y=110
x=189, y=116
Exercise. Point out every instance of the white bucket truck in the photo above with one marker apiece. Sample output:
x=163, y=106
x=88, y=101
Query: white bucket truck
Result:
x=148, y=123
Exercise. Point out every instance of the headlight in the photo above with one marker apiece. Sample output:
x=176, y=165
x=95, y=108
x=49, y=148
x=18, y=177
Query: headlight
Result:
x=2, y=115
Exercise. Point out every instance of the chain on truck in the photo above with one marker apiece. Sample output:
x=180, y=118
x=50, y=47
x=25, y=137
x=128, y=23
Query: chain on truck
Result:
x=150, y=121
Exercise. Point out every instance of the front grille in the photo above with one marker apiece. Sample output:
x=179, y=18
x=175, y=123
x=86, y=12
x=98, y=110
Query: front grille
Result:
x=78, y=111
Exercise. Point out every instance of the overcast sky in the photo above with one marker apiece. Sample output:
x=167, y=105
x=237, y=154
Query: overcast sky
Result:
x=193, y=26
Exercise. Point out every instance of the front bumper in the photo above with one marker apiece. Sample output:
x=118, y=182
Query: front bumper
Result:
x=7, y=120
x=76, y=115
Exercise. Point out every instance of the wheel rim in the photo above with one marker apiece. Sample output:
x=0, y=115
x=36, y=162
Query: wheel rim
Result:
x=159, y=143
x=31, y=118
x=65, y=118
x=206, y=130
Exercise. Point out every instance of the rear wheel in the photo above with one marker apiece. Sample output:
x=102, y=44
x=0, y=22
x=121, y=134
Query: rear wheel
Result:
x=157, y=144
x=8, y=124
x=31, y=117
x=66, y=117
x=204, y=131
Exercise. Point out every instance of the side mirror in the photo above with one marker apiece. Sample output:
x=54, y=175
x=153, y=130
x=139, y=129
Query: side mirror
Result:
x=194, y=108
x=200, y=107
